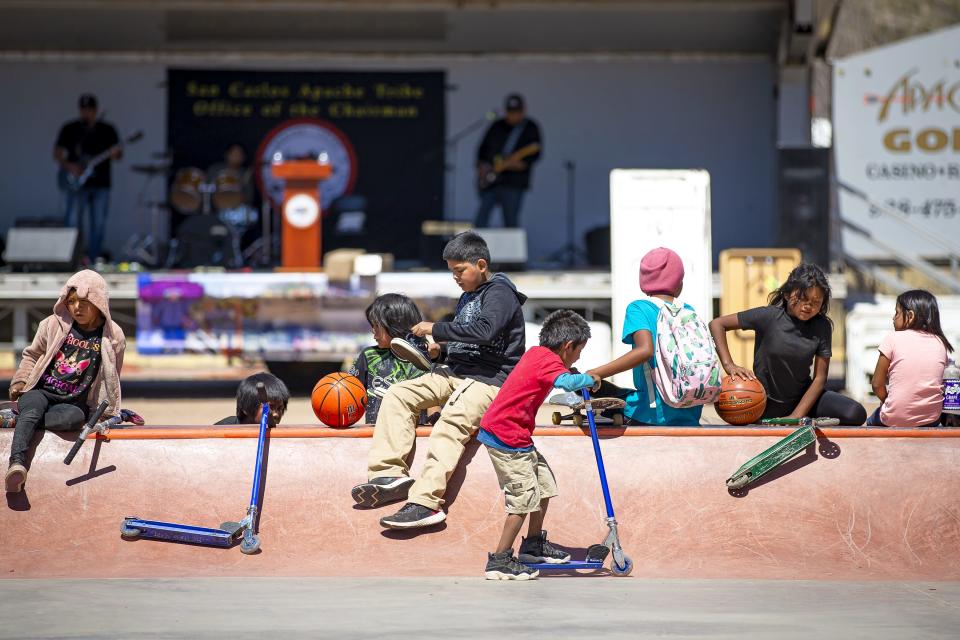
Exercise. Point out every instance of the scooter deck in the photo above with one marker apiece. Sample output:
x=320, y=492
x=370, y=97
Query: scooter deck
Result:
x=173, y=532
x=772, y=457
x=573, y=565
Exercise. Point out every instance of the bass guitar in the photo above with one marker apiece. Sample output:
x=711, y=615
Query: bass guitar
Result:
x=71, y=182
x=488, y=173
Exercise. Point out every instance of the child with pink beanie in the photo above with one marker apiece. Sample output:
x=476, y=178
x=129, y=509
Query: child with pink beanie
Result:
x=661, y=276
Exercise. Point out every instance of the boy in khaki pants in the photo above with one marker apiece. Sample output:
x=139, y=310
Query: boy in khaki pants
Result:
x=478, y=349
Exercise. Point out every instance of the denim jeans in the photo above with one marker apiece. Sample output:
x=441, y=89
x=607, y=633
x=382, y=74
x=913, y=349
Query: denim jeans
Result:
x=91, y=207
x=509, y=199
x=38, y=411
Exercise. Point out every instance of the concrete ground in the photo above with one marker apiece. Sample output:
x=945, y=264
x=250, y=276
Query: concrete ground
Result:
x=577, y=607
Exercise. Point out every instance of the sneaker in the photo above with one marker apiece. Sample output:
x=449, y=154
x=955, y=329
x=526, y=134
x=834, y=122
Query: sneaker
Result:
x=412, y=349
x=16, y=476
x=8, y=418
x=381, y=491
x=413, y=516
x=503, y=566
x=539, y=550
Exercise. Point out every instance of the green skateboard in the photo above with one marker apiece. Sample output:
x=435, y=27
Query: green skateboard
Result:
x=780, y=452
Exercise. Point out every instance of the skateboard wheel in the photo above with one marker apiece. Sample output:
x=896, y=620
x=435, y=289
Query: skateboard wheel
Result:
x=556, y=417
x=618, y=419
x=578, y=419
x=623, y=571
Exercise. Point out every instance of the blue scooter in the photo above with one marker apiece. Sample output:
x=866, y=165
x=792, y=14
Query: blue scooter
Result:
x=621, y=565
x=229, y=532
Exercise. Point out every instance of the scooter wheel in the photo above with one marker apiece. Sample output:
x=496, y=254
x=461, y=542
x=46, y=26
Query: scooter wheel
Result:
x=249, y=545
x=129, y=533
x=556, y=418
x=623, y=571
x=739, y=482
x=618, y=419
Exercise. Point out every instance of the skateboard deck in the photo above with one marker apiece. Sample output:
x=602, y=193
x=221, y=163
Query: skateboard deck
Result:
x=577, y=408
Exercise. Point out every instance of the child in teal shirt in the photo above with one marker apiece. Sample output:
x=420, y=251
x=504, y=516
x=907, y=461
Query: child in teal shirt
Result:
x=661, y=277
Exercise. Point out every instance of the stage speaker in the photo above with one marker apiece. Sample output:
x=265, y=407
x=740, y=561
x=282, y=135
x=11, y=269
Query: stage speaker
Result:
x=804, y=198
x=508, y=247
x=434, y=236
x=598, y=246
x=41, y=248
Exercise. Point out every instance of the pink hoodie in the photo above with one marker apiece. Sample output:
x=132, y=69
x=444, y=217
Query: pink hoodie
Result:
x=53, y=331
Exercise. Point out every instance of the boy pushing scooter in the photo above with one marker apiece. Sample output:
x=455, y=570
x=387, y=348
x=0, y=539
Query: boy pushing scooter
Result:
x=523, y=473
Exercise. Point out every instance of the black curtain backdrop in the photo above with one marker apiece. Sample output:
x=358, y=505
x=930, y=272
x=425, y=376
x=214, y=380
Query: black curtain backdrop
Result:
x=394, y=122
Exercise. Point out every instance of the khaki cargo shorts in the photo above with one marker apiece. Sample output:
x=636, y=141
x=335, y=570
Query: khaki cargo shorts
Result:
x=525, y=478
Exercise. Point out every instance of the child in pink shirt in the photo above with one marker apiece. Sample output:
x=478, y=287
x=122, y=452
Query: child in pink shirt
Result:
x=909, y=374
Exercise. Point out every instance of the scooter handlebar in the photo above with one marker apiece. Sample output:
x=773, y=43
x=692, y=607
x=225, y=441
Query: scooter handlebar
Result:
x=87, y=429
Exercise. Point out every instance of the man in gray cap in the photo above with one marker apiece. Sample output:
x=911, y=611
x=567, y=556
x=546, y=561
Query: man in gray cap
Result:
x=508, y=150
x=86, y=194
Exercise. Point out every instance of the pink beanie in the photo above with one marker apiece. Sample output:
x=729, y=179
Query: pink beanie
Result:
x=661, y=271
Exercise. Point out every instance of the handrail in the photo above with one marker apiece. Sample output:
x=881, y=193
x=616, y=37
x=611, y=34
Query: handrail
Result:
x=952, y=249
x=913, y=261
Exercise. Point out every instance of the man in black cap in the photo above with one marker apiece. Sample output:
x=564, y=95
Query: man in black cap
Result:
x=508, y=149
x=85, y=186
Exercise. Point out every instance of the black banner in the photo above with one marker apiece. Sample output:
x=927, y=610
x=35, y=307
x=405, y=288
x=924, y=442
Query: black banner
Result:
x=383, y=133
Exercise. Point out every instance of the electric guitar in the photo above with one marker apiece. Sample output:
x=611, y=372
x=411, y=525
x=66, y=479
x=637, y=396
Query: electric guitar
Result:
x=487, y=173
x=70, y=182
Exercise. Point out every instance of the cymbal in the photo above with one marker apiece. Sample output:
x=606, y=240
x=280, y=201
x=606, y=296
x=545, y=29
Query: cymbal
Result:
x=151, y=169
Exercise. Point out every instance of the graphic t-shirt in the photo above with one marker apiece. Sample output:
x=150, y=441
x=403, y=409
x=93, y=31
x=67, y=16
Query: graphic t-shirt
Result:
x=642, y=316
x=74, y=368
x=783, y=354
x=378, y=369
x=914, y=379
x=513, y=413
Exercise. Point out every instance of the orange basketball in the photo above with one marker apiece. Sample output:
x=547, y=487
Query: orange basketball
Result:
x=741, y=401
x=338, y=399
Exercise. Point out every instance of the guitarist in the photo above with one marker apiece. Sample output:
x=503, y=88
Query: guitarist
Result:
x=514, y=134
x=78, y=141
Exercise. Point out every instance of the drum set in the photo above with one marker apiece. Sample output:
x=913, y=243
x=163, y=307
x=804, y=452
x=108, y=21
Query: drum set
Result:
x=216, y=203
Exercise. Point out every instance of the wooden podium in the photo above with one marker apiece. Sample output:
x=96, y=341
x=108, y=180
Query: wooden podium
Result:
x=300, y=241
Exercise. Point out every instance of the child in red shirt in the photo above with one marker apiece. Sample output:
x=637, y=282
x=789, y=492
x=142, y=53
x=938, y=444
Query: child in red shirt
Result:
x=523, y=473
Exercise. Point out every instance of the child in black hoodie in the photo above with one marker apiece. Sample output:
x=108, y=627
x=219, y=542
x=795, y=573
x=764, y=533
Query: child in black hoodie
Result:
x=476, y=351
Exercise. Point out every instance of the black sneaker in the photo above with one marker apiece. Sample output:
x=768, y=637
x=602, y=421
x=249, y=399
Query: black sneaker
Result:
x=412, y=349
x=503, y=566
x=380, y=491
x=538, y=549
x=413, y=516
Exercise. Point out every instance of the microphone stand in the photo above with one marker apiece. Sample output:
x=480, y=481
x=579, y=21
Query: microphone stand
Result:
x=567, y=255
x=451, y=166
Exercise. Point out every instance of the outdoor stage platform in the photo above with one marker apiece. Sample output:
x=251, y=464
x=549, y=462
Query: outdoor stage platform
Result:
x=867, y=504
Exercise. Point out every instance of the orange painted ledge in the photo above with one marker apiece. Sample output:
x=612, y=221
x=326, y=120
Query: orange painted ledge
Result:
x=365, y=431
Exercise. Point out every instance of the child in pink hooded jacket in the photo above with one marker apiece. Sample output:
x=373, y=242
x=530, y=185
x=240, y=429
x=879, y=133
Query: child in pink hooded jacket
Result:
x=72, y=365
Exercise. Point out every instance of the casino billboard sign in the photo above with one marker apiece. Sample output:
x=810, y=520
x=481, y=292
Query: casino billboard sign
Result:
x=897, y=139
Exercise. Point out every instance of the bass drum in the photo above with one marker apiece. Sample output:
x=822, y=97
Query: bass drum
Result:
x=227, y=190
x=186, y=195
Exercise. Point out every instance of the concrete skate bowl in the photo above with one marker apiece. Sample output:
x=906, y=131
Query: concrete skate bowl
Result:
x=862, y=504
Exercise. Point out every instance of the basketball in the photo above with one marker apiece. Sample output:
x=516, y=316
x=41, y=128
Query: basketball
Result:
x=741, y=401
x=338, y=399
